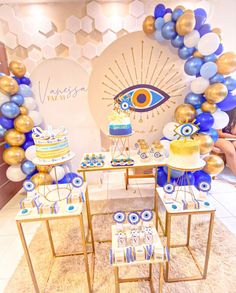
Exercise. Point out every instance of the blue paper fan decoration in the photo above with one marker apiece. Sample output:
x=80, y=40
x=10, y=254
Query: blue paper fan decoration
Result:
x=146, y=215
x=28, y=185
x=77, y=181
x=169, y=188
x=133, y=218
x=119, y=217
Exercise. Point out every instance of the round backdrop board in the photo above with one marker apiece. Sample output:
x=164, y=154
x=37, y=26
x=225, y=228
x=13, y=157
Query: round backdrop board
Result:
x=151, y=74
x=60, y=87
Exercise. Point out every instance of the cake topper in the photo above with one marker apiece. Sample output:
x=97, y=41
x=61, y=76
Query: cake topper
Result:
x=186, y=130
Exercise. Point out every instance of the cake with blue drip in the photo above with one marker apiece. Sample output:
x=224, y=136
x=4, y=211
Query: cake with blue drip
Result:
x=120, y=124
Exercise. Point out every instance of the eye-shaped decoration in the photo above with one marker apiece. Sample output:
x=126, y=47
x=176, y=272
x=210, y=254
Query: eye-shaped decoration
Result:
x=77, y=181
x=169, y=188
x=142, y=97
x=119, y=217
x=133, y=218
x=143, y=156
x=28, y=185
x=125, y=105
x=186, y=130
x=204, y=186
x=157, y=155
x=146, y=215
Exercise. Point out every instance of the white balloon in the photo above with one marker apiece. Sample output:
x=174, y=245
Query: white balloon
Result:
x=166, y=145
x=191, y=39
x=221, y=119
x=60, y=173
x=199, y=85
x=167, y=17
x=168, y=130
x=208, y=44
x=36, y=117
x=30, y=153
x=15, y=174
x=30, y=103
x=3, y=99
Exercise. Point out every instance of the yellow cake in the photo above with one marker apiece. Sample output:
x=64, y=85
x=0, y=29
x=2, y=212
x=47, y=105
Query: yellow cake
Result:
x=184, y=154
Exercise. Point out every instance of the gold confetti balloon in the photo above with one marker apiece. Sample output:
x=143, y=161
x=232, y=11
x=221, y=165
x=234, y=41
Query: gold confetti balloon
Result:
x=14, y=137
x=226, y=63
x=23, y=123
x=214, y=164
x=185, y=113
x=149, y=25
x=41, y=179
x=208, y=107
x=13, y=155
x=17, y=68
x=216, y=92
x=8, y=85
x=43, y=169
x=23, y=110
x=206, y=143
x=185, y=23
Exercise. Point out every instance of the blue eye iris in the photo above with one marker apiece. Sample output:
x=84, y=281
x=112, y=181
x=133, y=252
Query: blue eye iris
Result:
x=186, y=130
x=142, y=97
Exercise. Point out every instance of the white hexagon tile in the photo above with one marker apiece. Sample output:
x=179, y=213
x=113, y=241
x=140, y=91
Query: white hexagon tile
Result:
x=136, y=8
x=73, y=24
x=87, y=24
x=75, y=51
x=89, y=50
x=67, y=38
x=35, y=54
x=48, y=52
x=10, y=40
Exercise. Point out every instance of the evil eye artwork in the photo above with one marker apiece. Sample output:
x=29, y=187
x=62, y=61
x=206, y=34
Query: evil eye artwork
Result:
x=71, y=208
x=186, y=130
x=204, y=186
x=142, y=97
x=146, y=215
x=125, y=105
x=133, y=218
x=169, y=188
x=143, y=156
x=28, y=185
x=157, y=155
x=119, y=217
x=77, y=181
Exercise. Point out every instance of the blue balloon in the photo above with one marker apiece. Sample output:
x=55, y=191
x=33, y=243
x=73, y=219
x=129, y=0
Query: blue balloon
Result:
x=201, y=176
x=204, y=29
x=217, y=78
x=213, y=133
x=164, y=138
x=168, y=10
x=194, y=99
x=161, y=177
x=10, y=110
x=28, y=135
x=176, y=14
x=184, y=52
x=158, y=36
x=193, y=65
x=168, y=30
x=6, y=122
x=25, y=90
x=230, y=83
x=210, y=58
x=229, y=103
x=208, y=70
x=68, y=178
x=27, y=167
x=25, y=80
x=7, y=146
x=159, y=22
x=205, y=121
x=178, y=41
x=17, y=79
x=2, y=131
x=173, y=173
x=159, y=10
x=199, y=111
x=27, y=144
x=200, y=16
x=219, y=50
x=17, y=99
x=186, y=179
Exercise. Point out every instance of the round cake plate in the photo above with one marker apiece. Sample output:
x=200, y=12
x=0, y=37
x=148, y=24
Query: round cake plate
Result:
x=201, y=163
x=41, y=162
x=127, y=135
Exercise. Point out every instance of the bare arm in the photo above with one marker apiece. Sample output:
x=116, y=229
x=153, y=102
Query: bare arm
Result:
x=225, y=135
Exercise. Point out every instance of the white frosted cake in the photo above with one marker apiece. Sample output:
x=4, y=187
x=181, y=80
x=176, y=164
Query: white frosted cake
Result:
x=185, y=154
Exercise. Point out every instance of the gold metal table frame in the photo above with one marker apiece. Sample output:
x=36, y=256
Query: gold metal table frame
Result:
x=46, y=218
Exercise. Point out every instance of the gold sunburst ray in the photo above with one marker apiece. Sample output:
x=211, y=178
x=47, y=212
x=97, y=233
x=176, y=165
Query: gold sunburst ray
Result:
x=155, y=67
x=178, y=89
x=161, y=70
x=112, y=81
x=168, y=72
x=173, y=84
x=116, y=76
x=135, y=69
x=127, y=68
x=110, y=87
x=142, y=61
x=171, y=78
x=149, y=63
x=122, y=73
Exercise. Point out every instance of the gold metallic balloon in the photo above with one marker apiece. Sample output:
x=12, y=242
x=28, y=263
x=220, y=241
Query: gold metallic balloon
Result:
x=226, y=63
x=14, y=137
x=206, y=143
x=208, y=107
x=217, y=31
x=216, y=92
x=13, y=155
x=214, y=164
x=44, y=169
x=149, y=25
x=180, y=7
x=23, y=123
x=185, y=23
x=41, y=179
x=197, y=54
x=23, y=110
x=17, y=68
x=185, y=113
x=8, y=85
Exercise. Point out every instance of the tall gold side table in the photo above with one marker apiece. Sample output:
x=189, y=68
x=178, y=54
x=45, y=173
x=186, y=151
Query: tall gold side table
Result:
x=33, y=216
x=165, y=207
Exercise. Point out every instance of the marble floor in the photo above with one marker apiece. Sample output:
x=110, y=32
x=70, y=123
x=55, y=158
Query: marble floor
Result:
x=111, y=185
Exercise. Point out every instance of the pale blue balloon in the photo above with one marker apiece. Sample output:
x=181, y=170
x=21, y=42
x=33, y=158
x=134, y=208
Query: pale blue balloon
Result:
x=178, y=41
x=209, y=58
x=192, y=66
x=17, y=99
x=159, y=22
x=194, y=99
x=217, y=78
x=208, y=70
x=177, y=13
x=27, y=167
x=2, y=131
x=168, y=30
x=10, y=110
x=25, y=91
x=230, y=82
x=158, y=36
x=184, y=53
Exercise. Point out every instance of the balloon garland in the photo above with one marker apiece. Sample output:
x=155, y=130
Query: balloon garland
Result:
x=18, y=117
x=212, y=89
